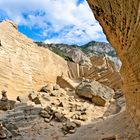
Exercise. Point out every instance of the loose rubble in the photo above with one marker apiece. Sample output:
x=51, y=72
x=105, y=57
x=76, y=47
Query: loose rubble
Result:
x=53, y=107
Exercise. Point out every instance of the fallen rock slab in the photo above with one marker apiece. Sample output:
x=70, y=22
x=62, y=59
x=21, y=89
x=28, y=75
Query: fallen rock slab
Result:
x=98, y=93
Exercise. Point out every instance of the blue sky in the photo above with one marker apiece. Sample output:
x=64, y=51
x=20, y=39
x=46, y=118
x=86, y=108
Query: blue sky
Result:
x=53, y=21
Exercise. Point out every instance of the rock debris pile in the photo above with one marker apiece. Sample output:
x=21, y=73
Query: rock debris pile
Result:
x=57, y=109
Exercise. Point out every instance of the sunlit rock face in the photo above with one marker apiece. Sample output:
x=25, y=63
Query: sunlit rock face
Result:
x=24, y=66
x=121, y=23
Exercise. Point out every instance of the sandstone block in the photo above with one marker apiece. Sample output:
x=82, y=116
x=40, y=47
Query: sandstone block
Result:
x=98, y=93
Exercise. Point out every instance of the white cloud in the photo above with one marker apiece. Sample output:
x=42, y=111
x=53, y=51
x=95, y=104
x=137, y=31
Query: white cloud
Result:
x=62, y=21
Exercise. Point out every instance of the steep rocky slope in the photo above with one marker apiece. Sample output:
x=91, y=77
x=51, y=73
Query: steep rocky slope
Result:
x=94, y=47
x=71, y=53
x=24, y=66
x=81, y=54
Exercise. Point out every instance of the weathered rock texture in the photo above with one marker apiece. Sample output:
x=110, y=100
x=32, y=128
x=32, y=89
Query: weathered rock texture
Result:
x=23, y=65
x=117, y=127
x=103, y=70
x=19, y=119
x=98, y=93
x=120, y=20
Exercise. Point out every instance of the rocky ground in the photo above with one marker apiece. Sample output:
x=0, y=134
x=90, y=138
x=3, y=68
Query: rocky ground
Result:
x=53, y=113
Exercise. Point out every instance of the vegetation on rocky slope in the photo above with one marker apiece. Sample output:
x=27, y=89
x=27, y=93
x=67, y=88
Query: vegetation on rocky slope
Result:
x=89, y=49
x=55, y=50
x=81, y=54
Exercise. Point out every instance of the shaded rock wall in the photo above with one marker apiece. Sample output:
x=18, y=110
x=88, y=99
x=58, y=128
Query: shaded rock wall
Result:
x=120, y=20
x=24, y=66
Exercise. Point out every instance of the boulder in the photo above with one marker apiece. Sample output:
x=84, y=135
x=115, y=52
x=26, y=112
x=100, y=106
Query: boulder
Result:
x=54, y=93
x=47, y=120
x=98, y=93
x=48, y=88
x=56, y=87
x=44, y=114
x=49, y=110
x=59, y=117
x=45, y=97
x=34, y=97
x=69, y=127
x=83, y=117
x=37, y=100
x=78, y=124
x=23, y=99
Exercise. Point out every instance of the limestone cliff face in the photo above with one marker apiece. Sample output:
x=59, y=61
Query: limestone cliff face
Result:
x=120, y=20
x=23, y=65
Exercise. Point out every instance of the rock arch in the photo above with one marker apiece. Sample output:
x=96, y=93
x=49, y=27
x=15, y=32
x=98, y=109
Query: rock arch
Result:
x=120, y=20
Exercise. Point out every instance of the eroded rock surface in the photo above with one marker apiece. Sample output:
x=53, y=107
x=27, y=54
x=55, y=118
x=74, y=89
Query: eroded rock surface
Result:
x=24, y=66
x=103, y=70
x=57, y=114
x=120, y=126
x=121, y=24
x=98, y=93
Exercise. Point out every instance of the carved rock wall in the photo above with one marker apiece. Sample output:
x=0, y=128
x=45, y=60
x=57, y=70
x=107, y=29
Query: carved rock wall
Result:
x=103, y=70
x=120, y=20
x=23, y=65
